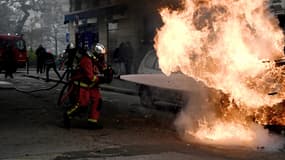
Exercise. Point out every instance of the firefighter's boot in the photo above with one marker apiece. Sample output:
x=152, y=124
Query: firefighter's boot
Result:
x=69, y=114
x=72, y=111
x=66, y=121
x=93, y=124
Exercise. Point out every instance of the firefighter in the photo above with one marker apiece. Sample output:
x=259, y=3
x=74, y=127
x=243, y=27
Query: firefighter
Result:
x=87, y=79
x=71, y=55
x=72, y=59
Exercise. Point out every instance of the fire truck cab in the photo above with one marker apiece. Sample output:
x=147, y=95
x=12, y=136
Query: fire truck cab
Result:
x=18, y=46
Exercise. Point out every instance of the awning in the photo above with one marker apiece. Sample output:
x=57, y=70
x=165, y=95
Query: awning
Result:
x=95, y=12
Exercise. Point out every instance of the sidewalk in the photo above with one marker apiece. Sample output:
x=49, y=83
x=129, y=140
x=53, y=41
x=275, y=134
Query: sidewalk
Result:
x=117, y=85
x=6, y=85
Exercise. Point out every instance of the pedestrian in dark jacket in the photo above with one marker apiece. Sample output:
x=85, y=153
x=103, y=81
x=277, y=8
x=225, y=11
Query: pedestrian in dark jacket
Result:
x=50, y=63
x=40, y=52
x=10, y=63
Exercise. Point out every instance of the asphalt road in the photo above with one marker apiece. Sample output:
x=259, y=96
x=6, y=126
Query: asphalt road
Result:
x=31, y=128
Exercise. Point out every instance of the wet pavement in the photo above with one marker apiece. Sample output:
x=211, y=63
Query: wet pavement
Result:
x=31, y=129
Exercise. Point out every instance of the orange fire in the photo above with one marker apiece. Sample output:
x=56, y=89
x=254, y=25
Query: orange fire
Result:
x=224, y=131
x=229, y=45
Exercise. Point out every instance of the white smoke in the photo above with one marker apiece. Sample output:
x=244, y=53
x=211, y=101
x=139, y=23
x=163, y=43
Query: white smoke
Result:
x=204, y=106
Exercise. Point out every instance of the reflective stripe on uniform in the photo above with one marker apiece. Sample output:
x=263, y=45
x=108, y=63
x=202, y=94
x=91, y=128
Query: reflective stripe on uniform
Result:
x=73, y=109
x=94, y=78
x=92, y=120
x=84, y=85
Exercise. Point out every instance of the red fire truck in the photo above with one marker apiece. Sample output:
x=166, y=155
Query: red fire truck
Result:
x=18, y=46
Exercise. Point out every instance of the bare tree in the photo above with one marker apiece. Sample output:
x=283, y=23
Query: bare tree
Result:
x=53, y=19
x=5, y=23
x=40, y=20
x=22, y=11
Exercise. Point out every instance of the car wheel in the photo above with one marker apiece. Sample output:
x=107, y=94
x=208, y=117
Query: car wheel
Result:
x=145, y=97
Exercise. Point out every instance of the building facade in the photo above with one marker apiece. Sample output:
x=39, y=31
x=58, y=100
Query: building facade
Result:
x=117, y=22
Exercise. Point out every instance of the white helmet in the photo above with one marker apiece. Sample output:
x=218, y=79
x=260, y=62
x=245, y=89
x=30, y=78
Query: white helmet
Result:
x=100, y=49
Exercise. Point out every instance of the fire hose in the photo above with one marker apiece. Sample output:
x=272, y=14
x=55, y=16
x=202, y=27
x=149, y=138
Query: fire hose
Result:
x=66, y=73
x=49, y=88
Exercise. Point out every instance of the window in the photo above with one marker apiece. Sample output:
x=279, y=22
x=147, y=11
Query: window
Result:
x=95, y=3
x=20, y=44
x=76, y=5
x=156, y=65
x=276, y=1
x=150, y=61
x=3, y=43
x=112, y=26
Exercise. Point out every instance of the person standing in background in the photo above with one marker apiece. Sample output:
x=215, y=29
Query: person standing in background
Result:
x=10, y=64
x=40, y=52
x=50, y=63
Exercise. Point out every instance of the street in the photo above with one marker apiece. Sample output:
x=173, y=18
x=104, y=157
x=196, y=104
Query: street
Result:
x=31, y=128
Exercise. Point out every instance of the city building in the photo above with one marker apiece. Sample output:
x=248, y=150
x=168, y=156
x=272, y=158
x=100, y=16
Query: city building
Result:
x=116, y=22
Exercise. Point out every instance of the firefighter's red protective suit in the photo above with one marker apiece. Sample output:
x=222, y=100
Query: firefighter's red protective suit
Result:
x=87, y=79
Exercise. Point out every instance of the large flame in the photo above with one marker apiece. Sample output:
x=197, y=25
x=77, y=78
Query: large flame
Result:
x=229, y=45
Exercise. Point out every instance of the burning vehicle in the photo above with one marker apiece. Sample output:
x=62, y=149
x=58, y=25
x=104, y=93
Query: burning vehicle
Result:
x=222, y=44
x=153, y=96
x=230, y=46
